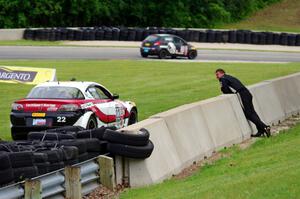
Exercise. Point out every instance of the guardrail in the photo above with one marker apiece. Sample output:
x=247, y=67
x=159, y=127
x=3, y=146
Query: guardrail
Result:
x=60, y=183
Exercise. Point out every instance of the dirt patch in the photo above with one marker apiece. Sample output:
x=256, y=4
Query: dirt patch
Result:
x=104, y=193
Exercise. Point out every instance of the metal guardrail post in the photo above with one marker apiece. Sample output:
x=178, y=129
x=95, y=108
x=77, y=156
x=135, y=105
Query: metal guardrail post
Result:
x=72, y=182
x=107, y=171
x=33, y=189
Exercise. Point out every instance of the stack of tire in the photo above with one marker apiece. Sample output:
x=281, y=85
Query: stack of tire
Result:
x=139, y=34
x=54, y=149
x=129, y=144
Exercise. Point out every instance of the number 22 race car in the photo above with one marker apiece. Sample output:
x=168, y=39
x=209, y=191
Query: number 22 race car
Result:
x=55, y=104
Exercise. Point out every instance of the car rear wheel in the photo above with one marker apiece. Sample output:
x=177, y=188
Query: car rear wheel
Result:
x=144, y=55
x=162, y=54
x=92, y=123
x=192, y=54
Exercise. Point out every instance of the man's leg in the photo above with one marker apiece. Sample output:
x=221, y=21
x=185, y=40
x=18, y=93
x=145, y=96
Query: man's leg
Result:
x=251, y=114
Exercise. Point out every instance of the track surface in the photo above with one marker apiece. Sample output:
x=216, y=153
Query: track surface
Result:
x=37, y=52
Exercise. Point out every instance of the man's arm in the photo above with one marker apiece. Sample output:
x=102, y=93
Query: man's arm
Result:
x=225, y=87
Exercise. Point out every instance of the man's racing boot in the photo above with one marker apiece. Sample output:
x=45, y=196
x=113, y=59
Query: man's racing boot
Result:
x=258, y=134
x=268, y=131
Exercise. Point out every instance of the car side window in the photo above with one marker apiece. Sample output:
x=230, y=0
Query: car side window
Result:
x=101, y=94
x=97, y=93
x=178, y=41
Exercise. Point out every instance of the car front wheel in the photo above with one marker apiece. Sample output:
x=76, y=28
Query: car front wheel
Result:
x=92, y=123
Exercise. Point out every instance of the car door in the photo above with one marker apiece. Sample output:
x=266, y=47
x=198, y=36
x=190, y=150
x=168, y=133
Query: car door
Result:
x=109, y=111
x=181, y=46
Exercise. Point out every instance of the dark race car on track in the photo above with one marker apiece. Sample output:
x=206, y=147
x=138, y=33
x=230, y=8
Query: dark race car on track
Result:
x=55, y=104
x=165, y=45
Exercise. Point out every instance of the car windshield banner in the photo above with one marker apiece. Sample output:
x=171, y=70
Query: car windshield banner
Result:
x=26, y=75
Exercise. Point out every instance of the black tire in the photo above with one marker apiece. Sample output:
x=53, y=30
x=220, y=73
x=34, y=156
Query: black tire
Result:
x=83, y=157
x=92, y=123
x=6, y=176
x=66, y=129
x=54, y=155
x=70, y=153
x=16, y=134
x=71, y=162
x=93, y=145
x=139, y=152
x=162, y=54
x=56, y=166
x=127, y=137
x=25, y=173
x=21, y=159
x=4, y=161
x=94, y=133
x=192, y=54
x=80, y=144
x=43, y=168
x=49, y=136
x=144, y=55
x=40, y=157
x=133, y=117
x=93, y=155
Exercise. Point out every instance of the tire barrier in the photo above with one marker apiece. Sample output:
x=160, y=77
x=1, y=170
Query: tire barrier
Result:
x=139, y=34
x=53, y=149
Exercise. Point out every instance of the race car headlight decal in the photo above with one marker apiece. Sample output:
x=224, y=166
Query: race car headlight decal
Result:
x=17, y=107
x=68, y=107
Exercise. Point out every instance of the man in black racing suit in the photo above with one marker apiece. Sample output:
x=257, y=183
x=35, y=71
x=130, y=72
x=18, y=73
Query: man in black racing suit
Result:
x=230, y=85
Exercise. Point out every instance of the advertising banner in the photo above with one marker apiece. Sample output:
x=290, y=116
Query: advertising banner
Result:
x=26, y=75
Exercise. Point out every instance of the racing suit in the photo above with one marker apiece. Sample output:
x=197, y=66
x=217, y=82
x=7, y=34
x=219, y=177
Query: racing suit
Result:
x=230, y=85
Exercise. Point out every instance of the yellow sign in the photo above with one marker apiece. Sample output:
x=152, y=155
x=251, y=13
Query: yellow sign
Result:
x=26, y=75
x=38, y=114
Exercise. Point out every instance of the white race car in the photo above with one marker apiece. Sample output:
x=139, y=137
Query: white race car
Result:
x=55, y=104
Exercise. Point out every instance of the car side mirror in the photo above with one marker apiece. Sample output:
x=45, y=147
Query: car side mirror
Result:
x=115, y=96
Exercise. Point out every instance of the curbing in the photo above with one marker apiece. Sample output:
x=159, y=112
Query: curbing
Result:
x=190, y=132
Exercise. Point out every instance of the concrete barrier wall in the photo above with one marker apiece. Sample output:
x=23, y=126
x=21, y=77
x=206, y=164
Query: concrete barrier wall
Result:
x=11, y=34
x=288, y=92
x=191, y=132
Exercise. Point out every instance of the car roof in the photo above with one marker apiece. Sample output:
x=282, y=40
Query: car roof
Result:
x=165, y=35
x=75, y=84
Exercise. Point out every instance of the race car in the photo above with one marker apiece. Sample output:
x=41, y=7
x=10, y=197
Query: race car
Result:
x=166, y=45
x=55, y=104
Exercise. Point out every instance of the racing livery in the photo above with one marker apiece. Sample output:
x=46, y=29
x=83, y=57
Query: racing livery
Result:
x=164, y=45
x=56, y=104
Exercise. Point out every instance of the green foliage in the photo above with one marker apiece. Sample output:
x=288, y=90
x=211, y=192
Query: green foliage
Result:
x=169, y=13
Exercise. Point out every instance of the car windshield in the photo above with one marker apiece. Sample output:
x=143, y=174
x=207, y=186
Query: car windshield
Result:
x=151, y=38
x=55, y=92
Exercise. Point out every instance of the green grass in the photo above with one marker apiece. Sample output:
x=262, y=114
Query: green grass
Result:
x=283, y=17
x=154, y=86
x=269, y=169
x=29, y=43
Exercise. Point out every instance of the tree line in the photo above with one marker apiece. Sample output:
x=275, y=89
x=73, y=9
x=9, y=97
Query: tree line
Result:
x=131, y=13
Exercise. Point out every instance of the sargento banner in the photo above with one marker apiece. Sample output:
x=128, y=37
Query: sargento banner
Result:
x=27, y=75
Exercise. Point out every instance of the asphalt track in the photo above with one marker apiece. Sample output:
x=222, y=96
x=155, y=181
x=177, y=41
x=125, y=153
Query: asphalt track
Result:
x=38, y=52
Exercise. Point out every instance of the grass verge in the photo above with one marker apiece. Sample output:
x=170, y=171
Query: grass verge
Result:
x=270, y=168
x=154, y=86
